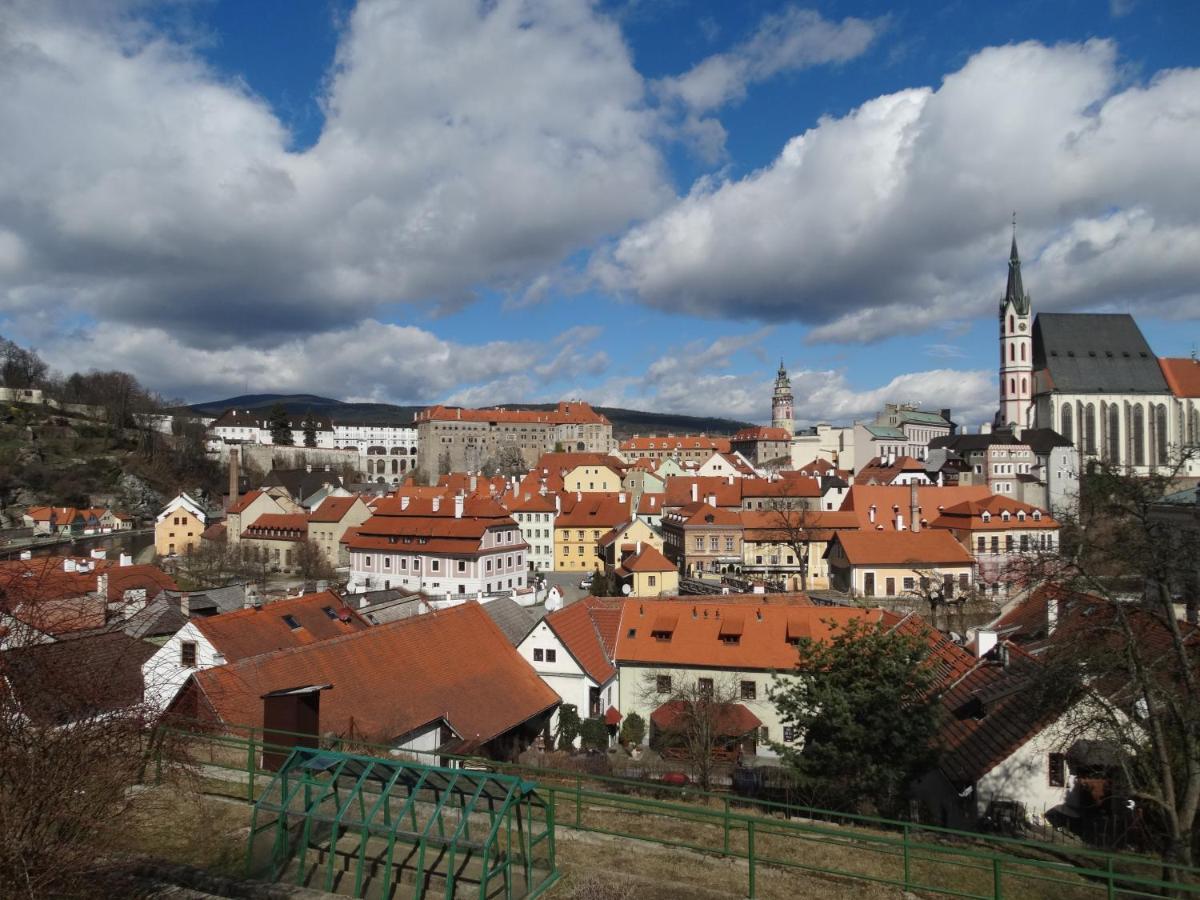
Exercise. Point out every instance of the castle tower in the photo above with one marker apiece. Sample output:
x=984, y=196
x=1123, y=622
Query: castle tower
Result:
x=782, y=415
x=1016, y=347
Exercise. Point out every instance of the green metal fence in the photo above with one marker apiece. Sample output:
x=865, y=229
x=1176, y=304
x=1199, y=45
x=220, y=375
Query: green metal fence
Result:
x=907, y=855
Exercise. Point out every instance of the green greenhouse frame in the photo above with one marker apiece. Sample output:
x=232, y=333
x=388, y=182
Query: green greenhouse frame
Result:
x=385, y=828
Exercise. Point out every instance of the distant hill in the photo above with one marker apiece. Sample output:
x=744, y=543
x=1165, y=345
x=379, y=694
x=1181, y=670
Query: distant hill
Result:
x=626, y=422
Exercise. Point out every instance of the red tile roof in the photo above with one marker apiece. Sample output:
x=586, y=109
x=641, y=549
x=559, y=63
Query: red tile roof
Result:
x=695, y=632
x=592, y=510
x=242, y=502
x=928, y=547
x=648, y=560
x=453, y=664
x=731, y=719
x=762, y=433
x=968, y=515
x=278, y=527
x=675, y=442
x=333, y=509
x=566, y=413
x=249, y=632
x=890, y=499
x=582, y=627
x=1182, y=374
x=772, y=525
x=699, y=515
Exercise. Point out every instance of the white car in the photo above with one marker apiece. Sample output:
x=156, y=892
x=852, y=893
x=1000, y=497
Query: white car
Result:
x=587, y=582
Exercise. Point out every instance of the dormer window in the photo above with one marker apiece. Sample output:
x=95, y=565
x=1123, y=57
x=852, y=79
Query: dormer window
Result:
x=987, y=516
x=291, y=622
x=1005, y=516
x=1021, y=515
x=1037, y=515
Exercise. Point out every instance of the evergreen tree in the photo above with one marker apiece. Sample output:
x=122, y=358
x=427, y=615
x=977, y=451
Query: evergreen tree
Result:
x=309, y=427
x=864, y=715
x=280, y=425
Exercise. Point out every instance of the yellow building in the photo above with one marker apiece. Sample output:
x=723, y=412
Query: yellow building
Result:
x=767, y=544
x=584, y=520
x=647, y=572
x=330, y=521
x=178, y=527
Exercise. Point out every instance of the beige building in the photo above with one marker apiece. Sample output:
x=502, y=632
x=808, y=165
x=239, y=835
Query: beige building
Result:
x=584, y=519
x=452, y=439
x=251, y=505
x=624, y=537
x=767, y=549
x=329, y=522
x=899, y=563
x=178, y=527
x=277, y=538
x=646, y=572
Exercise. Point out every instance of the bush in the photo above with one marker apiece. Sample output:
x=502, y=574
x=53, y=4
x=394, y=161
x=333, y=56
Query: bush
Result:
x=594, y=734
x=633, y=729
x=568, y=727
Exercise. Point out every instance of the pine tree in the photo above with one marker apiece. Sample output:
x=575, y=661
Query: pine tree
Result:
x=309, y=427
x=280, y=425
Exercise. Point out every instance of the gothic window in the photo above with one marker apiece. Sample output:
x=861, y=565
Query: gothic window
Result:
x=1022, y=353
x=1011, y=327
x=1088, y=429
x=1193, y=429
x=1113, y=445
x=1137, y=436
x=1012, y=352
x=1160, y=434
x=1024, y=386
x=1012, y=387
x=1067, y=425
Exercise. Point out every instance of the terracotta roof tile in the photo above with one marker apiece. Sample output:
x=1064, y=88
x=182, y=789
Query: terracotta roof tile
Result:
x=925, y=547
x=452, y=664
x=333, y=509
x=249, y=632
x=1182, y=374
x=582, y=627
x=889, y=499
x=648, y=560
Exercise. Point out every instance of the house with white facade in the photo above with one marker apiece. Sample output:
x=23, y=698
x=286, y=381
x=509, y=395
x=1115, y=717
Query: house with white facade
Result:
x=388, y=451
x=458, y=546
x=572, y=652
x=534, y=513
x=216, y=640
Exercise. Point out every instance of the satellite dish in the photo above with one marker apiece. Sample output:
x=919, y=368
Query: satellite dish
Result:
x=626, y=589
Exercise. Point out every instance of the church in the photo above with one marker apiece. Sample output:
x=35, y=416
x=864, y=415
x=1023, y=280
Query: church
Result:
x=1094, y=379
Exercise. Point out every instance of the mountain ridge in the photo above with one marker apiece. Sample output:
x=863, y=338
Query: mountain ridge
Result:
x=626, y=422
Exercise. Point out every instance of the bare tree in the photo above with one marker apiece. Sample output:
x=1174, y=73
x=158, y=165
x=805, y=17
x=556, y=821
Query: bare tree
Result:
x=311, y=563
x=1120, y=659
x=706, y=724
x=796, y=525
x=75, y=736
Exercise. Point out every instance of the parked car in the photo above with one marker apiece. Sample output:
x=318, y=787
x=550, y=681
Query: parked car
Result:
x=586, y=584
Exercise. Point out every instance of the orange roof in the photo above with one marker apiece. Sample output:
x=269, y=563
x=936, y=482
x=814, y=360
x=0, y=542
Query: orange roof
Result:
x=582, y=626
x=278, y=526
x=650, y=503
x=927, y=547
x=879, y=472
x=333, y=509
x=566, y=413
x=1182, y=374
x=676, y=442
x=762, y=433
x=529, y=501
x=593, y=510
x=969, y=515
x=769, y=524
x=695, y=632
x=789, y=484
x=249, y=632
x=392, y=679
x=731, y=719
x=243, y=501
x=699, y=515
x=648, y=560
x=726, y=491
x=890, y=499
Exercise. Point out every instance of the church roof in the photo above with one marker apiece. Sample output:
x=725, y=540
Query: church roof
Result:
x=1095, y=353
x=1014, y=293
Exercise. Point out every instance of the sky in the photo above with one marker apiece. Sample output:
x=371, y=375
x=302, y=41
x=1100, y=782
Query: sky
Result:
x=641, y=203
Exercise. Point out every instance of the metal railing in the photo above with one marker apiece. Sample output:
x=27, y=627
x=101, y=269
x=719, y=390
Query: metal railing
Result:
x=908, y=855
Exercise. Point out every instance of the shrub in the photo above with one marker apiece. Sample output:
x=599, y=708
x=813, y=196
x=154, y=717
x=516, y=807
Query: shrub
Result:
x=633, y=729
x=594, y=734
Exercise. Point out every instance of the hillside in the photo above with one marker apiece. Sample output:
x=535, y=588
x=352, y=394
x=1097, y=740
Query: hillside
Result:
x=626, y=422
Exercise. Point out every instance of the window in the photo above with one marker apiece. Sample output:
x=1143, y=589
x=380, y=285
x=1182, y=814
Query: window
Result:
x=187, y=654
x=661, y=635
x=981, y=543
x=764, y=734
x=706, y=687
x=910, y=582
x=328, y=610
x=749, y=690
x=1057, y=770
x=462, y=565
x=537, y=654
x=291, y=622
x=551, y=656
x=700, y=543
x=663, y=684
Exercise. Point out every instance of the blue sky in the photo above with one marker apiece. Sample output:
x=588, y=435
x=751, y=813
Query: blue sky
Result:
x=645, y=203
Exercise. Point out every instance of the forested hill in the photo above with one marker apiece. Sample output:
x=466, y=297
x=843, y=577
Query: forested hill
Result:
x=626, y=422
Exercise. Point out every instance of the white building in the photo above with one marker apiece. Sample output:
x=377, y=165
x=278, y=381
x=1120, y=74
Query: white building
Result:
x=389, y=452
x=461, y=546
x=535, y=514
x=571, y=651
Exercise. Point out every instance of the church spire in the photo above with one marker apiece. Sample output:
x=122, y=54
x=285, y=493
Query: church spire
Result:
x=1015, y=292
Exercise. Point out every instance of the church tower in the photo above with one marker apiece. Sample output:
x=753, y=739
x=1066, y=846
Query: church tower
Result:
x=1016, y=347
x=782, y=415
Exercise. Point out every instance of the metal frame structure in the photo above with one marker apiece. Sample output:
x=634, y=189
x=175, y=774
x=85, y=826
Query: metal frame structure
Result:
x=384, y=828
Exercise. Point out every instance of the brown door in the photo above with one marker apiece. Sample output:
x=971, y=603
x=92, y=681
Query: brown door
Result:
x=891, y=587
x=869, y=584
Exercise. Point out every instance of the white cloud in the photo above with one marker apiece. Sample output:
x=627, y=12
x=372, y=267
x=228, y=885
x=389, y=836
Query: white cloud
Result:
x=785, y=41
x=891, y=218
x=465, y=145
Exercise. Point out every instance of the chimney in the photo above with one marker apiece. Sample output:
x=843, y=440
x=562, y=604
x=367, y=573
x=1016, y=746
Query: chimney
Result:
x=102, y=586
x=474, y=482
x=914, y=508
x=695, y=492
x=985, y=640
x=308, y=469
x=437, y=504
x=638, y=550
x=578, y=496
x=871, y=514
x=404, y=501
x=125, y=559
x=899, y=521
x=233, y=474
x=185, y=605
x=712, y=499
x=621, y=497
x=458, y=506
x=69, y=565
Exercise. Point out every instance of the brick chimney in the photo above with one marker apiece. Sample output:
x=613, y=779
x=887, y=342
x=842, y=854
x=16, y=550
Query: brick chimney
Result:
x=914, y=508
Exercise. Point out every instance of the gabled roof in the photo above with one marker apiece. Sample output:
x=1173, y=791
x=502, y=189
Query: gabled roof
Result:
x=890, y=499
x=700, y=514
x=243, y=502
x=928, y=547
x=772, y=525
x=587, y=629
x=1096, y=353
x=647, y=560
x=249, y=632
x=514, y=620
x=761, y=433
x=186, y=502
x=278, y=526
x=592, y=510
x=452, y=664
x=969, y=515
x=334, y=509
x=1182, y=375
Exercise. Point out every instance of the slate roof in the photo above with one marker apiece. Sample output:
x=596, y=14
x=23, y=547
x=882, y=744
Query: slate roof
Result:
x=1095, y=353
x=453, y=664
x=513, y=619
x=210, y=601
